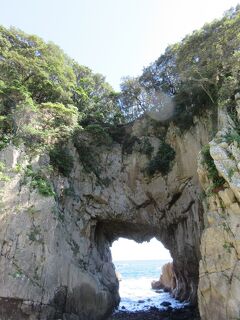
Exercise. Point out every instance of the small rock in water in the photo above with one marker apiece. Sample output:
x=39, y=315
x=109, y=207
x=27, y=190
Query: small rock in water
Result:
x=166, y=304
x=141, y=301
x=149, y=299
x=153, y=309
x=123, y=307
x=158, y=291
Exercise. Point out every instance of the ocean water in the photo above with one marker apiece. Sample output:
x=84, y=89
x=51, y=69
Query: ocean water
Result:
x=135, y=285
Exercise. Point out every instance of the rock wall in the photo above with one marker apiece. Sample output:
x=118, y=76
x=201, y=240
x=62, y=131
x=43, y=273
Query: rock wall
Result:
x=55, y=257
x=219, y=284
x=167, y=280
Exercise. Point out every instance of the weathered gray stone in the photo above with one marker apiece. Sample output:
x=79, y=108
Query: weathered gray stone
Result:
x=55, y=251
x=218, y=291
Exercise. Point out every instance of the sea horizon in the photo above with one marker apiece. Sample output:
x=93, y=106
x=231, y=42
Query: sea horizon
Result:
x=135, y=284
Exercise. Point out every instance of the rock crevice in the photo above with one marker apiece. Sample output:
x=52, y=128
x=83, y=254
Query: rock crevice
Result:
x=62, y=242
x=219, y=267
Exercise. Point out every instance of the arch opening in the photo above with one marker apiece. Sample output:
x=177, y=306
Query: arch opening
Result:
x=172, y=235
x=138, y=267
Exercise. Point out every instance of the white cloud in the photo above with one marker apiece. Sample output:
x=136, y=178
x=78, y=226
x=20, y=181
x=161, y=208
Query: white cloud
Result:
x=124, y=249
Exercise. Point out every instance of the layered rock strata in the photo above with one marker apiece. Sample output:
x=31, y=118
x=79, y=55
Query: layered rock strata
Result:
x=55, y=250
x=219, y=283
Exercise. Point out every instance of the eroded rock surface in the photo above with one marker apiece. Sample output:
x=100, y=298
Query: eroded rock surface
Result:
x=55, y=257
x=219, y=284
x=167, y=279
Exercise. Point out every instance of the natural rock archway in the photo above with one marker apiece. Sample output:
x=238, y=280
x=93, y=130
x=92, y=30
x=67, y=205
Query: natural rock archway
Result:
x=55, y=257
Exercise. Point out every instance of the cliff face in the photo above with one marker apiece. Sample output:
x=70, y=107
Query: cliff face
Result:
x=55, y=257
x=219, y=284
x=167, y=279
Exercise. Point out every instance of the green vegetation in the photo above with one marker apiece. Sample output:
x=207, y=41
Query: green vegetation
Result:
x=232, y=137
x=47, y=98
x=43, y=186
x=129, y=143
x=45, y=95
x=228, y=246
x=50, y=122
x=217, y=181
x=4, y=140
x=2, y=166
x=39, y=182
x=162, y=161
x=87, y=155
x=18, y=168
x=198, y=74
x=132, y=143
x=231, y=172
x=3, y=176
x=41, y=73
x=146, y=147
x=39, y=82
x=99, y=134
x=17, y=275
x=61, y=159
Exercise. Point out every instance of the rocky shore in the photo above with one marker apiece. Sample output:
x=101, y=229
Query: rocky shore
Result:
x=186, y=313
x=167, y=280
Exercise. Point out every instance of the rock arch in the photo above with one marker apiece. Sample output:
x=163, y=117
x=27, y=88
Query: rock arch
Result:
x=55, y=258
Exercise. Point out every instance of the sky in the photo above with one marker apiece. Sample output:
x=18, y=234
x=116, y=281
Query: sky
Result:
x=125, y=249
x=114, y=37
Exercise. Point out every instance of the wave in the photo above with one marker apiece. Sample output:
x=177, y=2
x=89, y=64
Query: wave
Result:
x=135, y=287
x=136, y=295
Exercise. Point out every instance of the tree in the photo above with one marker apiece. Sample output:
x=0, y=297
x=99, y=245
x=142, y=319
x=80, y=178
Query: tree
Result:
x=33, y=71
x=199, y=73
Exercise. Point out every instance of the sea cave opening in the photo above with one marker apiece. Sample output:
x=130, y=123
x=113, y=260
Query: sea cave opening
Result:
x=107, y=234
x=138, y=267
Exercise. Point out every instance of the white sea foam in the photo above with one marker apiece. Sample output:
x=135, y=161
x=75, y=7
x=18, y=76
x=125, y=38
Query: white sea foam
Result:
x=135, y=287
x=136, y=294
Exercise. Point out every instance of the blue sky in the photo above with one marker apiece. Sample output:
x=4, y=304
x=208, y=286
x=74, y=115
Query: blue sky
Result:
x=114, y=37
